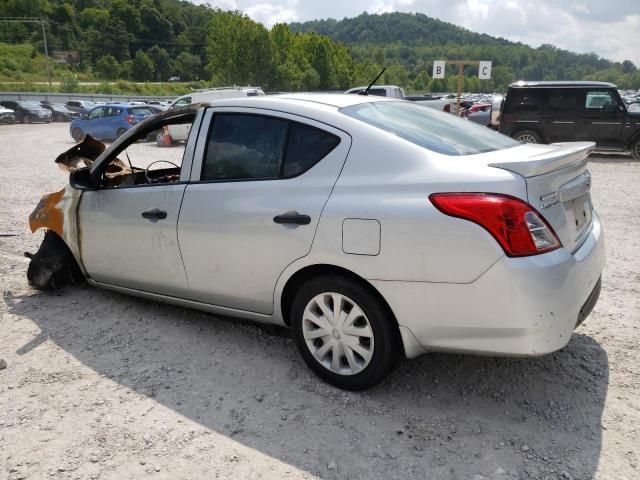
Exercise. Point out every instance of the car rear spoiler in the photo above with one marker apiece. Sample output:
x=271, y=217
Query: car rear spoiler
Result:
x=555, y=156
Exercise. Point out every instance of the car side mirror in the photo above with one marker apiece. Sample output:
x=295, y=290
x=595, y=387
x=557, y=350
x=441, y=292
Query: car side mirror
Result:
x=81, y=179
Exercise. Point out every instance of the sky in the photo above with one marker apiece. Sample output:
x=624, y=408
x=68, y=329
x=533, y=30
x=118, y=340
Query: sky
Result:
x=610, y=28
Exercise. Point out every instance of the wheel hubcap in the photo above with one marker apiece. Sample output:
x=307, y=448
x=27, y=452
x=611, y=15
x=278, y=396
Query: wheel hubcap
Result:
x=527, y=139
x=338, y=333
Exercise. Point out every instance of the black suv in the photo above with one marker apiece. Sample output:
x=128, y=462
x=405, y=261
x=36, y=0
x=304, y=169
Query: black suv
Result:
x=547, y=112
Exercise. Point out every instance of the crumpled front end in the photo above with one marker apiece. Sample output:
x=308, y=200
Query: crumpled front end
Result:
x=57, y=262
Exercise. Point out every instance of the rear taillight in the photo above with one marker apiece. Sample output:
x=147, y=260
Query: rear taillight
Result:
x=447, y=108
x=129, y=119
x=517, y=226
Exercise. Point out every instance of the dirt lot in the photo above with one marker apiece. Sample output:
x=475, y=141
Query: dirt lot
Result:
x=100, y=385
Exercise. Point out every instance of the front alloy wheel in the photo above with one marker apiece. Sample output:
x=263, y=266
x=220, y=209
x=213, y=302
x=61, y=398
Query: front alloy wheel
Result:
x=344, y=332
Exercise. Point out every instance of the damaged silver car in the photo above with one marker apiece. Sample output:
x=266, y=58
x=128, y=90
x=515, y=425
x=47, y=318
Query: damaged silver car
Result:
x=375, y=228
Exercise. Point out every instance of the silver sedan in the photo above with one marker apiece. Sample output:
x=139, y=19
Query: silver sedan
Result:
x=375, y=228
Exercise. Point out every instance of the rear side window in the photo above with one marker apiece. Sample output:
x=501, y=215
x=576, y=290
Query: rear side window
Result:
x=255, y=147
x=524, y=100
x=307, y=146
x=562, y=100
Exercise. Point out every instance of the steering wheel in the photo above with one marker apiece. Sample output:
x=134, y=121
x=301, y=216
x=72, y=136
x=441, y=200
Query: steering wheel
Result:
x=146, y=170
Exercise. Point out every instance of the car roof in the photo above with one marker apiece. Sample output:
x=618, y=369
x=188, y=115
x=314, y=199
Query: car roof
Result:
x=562, y=83
x=120, y=105
x=335, y=100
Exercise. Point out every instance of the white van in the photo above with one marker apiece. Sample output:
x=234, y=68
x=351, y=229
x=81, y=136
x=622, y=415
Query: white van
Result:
x=179, y=133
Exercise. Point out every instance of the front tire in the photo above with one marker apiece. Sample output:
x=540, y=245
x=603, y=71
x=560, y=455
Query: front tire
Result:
x=527, y=136
x=26, y=119
x=344, y=332
x=120, y=132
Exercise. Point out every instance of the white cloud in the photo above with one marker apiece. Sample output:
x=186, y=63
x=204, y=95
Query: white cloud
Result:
x=609, y=28
x=270, y=14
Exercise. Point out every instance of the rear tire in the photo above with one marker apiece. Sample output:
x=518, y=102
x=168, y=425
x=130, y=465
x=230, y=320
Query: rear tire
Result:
x=527, y=136
x=635, y=150
x=77, y=134
x=353, y=350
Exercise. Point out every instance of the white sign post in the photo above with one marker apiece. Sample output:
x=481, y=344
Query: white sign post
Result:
x=438, y=69
x=484, y=71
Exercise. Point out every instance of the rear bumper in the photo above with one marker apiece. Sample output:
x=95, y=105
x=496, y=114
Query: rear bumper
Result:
x=518, y=307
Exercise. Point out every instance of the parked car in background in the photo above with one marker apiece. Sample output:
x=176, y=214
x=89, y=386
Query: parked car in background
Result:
x=7, y=116
x=392, y=91
x=80, y=106
x=108, y=122
x=173, y=134
x=27, y=112
x=554, y=111
x=373, y=227
x=158, y=105
x=60, y=113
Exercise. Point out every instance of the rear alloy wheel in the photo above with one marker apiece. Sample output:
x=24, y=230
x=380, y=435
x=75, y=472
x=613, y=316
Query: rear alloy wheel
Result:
x=635, y=150
x=77, y=134
x=344, y=333
x=527, y=136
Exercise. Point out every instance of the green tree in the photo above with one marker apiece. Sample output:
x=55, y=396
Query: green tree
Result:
x=238, y=50
x=163, y=63
x=107, y=68
x=142, y=69
x=188, y=66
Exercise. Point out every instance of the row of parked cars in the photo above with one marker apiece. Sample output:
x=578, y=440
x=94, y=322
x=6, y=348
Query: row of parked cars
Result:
x=45, y=111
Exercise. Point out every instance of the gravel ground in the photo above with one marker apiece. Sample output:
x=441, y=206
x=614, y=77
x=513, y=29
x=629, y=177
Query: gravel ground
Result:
x=100, y=385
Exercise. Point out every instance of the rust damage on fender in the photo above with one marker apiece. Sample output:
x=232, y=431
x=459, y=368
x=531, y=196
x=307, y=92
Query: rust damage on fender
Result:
x=48, y=214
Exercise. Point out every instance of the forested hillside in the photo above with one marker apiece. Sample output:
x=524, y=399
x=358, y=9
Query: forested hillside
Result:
x=408, y=44
x=153, y=40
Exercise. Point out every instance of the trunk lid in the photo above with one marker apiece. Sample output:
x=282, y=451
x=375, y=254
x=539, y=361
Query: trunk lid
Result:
x=558, y=186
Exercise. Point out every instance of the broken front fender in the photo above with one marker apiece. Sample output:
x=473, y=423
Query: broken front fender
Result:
x=58, y=212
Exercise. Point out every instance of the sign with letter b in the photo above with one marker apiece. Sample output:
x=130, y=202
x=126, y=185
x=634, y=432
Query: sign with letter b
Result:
x=484, y=71
x=438, y=69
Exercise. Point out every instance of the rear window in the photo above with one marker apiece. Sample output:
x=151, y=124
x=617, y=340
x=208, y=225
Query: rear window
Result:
x=428, y=128
x=141, y=111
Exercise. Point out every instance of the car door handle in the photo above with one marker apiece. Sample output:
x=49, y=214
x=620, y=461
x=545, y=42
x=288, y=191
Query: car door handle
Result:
x=154, y=214
x=293, y=218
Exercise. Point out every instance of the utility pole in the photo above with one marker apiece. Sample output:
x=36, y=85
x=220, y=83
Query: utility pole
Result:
x=46, y=52
x=44, y=37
